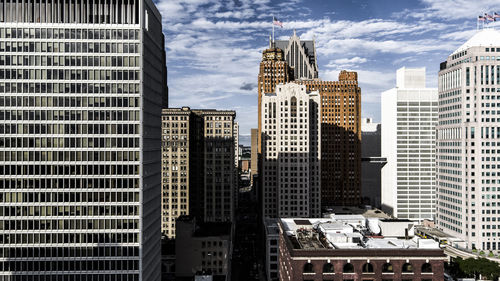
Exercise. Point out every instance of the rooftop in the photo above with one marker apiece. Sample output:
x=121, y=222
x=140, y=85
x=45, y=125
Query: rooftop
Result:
x=486, y=37
x=352, y=232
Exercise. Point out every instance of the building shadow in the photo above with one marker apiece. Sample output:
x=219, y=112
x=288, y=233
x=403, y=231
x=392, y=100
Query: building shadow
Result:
x=340, y=166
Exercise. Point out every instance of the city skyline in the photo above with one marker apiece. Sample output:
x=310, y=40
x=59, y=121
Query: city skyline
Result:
x=108, y=173
x=223, y=41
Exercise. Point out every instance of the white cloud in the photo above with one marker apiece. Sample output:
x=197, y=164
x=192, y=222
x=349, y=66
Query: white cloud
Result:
x=354, y=60
x=459, y=9
x=214, y=48
x=345, y=63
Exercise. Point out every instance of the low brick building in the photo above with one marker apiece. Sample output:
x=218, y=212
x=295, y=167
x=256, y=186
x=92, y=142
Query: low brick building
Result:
x=318, y=249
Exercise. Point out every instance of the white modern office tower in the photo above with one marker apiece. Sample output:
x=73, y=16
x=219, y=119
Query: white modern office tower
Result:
x=409, y=118
x=291, y=152
x=468, y=142
x=82, y=84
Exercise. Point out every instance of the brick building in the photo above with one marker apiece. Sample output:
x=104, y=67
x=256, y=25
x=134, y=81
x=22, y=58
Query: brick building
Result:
x=321, y=249
x=340, y=139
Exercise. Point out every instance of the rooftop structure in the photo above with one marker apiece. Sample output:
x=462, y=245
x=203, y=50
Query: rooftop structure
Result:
x=485, y=38
x=353, y=232
x=352, y=247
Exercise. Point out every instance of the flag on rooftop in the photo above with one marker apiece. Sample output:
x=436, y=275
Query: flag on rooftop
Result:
x=277, y=22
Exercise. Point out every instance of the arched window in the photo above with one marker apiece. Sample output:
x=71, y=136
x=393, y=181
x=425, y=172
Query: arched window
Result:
x=308, y=268
x=387, y=267
x=407, y=267
x=426, y=268
x=328, y=268
x=368, y=268
x=348, y=268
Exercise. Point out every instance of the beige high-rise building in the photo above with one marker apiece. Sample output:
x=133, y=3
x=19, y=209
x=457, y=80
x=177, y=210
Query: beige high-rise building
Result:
x=175, y=166
x=198, y=167
x=291, y=152
x=254, y=155
x=236, y=132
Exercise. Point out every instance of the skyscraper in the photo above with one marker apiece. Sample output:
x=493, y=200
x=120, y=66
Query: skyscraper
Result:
x=273, y=70
x=177, y=125
x=468, y=133
x=340, y=115
x=300, y=56
x=218, y=165
x=198, y=168
x=291, y=152
x=340, y=139
x=409, y=119
x=81, y=90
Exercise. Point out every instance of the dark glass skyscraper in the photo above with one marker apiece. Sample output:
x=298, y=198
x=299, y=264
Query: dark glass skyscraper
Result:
x=82, y=84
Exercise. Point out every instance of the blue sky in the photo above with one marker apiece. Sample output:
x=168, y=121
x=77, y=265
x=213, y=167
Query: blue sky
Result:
x=214, y=47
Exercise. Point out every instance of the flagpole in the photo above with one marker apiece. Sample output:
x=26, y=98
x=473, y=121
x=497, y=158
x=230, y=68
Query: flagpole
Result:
x=273, y=30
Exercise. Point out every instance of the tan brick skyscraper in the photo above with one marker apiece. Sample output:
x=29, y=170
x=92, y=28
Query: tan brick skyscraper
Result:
x=273, y=70
x=340, y=139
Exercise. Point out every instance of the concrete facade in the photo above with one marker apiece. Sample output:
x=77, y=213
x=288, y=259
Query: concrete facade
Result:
x=291, y=152
x=409, y=119
x=468, y=135
x=88, y=121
